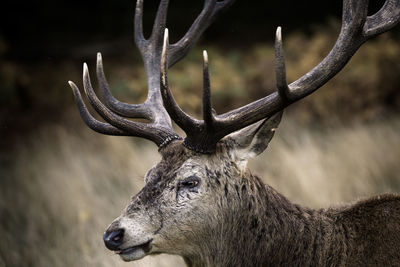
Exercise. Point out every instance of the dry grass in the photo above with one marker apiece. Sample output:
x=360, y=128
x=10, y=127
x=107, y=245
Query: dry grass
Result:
x=65, y=185
x=63, y=190
x=322, y=168
x=62, y=185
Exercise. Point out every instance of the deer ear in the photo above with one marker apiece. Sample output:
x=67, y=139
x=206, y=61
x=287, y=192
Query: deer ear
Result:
x=254, y=139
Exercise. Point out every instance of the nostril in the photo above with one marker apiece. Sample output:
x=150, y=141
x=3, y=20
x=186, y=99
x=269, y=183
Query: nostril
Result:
x=117, y=238
x=113, y=239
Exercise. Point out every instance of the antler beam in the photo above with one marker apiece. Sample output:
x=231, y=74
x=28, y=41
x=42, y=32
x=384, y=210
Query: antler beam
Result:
x=357, y=27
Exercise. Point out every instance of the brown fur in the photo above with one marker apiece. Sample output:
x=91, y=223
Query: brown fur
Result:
x=363, y=234
x=240, y=221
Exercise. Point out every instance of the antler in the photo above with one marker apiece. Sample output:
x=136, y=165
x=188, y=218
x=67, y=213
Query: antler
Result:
x=357, y=27
x=159, y=129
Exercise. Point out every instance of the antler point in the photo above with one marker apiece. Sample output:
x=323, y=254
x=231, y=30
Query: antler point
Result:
x=166, y=34
x=279, y=34
x=74, y=88
x=205, y=56
x=99, y=60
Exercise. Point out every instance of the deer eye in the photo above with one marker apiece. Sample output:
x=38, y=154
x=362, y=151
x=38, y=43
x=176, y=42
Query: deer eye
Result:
x=190, y=182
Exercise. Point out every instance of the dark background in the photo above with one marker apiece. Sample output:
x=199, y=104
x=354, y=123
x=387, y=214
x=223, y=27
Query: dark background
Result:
x=36, y=31
x=61, y=183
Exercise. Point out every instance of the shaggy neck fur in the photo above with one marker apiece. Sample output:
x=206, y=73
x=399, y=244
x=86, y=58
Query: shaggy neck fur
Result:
x=271, y=231
x=253, y=225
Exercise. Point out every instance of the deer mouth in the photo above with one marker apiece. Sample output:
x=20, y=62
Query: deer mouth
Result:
x=135, y=252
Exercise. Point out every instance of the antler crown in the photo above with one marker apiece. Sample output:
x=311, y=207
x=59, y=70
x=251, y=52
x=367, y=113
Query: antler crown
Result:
x=203, y=135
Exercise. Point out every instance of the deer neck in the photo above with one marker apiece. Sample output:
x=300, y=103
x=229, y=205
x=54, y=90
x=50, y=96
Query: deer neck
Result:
x=270, y=231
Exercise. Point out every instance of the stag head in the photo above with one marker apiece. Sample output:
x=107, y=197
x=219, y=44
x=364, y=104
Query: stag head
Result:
x=188, y=196
x=194, y=196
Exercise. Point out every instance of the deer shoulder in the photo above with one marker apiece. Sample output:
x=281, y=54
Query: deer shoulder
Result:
x=371, y=229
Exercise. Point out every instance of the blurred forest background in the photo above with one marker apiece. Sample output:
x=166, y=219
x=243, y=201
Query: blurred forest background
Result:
x=61, y=184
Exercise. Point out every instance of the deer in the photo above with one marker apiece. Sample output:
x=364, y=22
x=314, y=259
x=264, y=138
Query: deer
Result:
x=201, y=201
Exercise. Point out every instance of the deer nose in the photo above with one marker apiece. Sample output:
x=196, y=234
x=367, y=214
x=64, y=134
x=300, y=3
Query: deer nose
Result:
x=113, y=239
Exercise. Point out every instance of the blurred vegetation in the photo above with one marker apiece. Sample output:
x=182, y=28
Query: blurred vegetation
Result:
x=61, y=184
x=366, y=90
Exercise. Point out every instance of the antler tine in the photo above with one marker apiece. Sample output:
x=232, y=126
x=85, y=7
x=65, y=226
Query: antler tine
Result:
x=144, y=46
x=210, y=11
x=177, y=114
x=208, y=115
x=93, y=124
x=140, y=41
x=152, y=132
x=135, y=110
x=280, y=68
x=191, y=126
x=123, y=109
x=160, y=21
